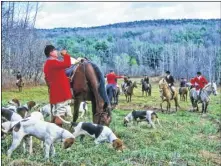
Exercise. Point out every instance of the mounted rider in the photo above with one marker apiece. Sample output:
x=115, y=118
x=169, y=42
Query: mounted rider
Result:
x=199, y=83
x=170, y=80
x=127, y=83
x=146, y=79
x=111, y=81
x=182, y=84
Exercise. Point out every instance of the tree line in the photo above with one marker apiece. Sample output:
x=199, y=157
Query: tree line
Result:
x=150, y=47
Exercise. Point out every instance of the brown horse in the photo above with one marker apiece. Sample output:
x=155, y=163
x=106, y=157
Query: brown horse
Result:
x=129, y=91
x=183, y=91
x=20, y=84
x=85, y=84
x=166, y=95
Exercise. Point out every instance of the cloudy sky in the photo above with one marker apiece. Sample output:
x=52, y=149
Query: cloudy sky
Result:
x=86, y=14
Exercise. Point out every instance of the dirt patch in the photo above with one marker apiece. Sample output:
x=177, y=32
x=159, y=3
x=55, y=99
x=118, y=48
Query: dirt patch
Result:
x=215, y=158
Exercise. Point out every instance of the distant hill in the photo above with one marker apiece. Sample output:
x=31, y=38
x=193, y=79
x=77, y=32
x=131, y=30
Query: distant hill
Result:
x=146, y=47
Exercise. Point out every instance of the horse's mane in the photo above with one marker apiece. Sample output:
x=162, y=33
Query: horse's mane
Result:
x=162, y=81
x=209, y=84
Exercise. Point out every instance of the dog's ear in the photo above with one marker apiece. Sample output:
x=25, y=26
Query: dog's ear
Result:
x=31, y=104
x=17, y=127
x=68, y=142
x=118, y=144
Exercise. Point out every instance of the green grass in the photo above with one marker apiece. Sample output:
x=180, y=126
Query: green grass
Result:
x=183, y=139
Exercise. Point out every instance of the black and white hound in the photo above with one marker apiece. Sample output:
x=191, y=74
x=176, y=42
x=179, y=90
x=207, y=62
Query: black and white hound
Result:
x=99, y=132
x=149, y=116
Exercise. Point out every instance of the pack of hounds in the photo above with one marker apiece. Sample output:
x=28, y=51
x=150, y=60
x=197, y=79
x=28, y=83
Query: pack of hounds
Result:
x=23, y=123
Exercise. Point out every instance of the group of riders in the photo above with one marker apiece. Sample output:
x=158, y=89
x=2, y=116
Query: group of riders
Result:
x=198, y=82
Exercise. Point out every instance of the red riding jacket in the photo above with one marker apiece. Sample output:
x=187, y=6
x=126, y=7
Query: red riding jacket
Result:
x=199, y=83
x=57, y=80
x=111, y=78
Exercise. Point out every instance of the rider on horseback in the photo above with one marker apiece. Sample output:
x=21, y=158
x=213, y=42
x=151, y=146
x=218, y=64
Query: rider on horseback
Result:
x=146, y=79
x=111, y=81
x=182, y=84
x=199, y=83
x=170, y=80
x=127, y=83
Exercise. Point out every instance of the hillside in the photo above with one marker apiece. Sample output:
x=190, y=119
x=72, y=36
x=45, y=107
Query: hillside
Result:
x=146, y=47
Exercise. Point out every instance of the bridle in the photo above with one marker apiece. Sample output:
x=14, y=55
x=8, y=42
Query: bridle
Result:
x=101, y=115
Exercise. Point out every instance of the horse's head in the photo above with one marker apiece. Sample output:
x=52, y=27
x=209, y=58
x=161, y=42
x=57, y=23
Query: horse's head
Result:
x=135, y=84
x=214, y=88
x=102, y=118
x=211, y=87
x=163, y=84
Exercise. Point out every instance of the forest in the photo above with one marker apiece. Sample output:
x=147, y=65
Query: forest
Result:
x=146, y=47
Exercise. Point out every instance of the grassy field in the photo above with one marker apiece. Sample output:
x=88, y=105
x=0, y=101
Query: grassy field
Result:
x=186, y=138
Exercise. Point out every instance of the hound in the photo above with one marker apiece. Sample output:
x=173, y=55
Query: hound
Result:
x=10, y=115
x=14, y=117
x=149, y=116
x=23, y=110
x=13, y=104
x=99, y=132
x=45, y=131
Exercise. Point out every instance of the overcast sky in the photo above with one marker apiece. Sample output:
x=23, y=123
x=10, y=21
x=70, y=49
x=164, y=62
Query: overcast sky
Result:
x=86, y=14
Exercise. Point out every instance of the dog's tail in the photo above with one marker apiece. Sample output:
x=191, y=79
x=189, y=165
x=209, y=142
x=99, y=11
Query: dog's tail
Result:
x=157, y=119
x=67, y=122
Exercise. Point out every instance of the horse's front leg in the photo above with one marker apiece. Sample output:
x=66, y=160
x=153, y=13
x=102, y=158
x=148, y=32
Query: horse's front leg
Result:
x=168, y=106
x=76, y=110
x=93, y=103
x=203, y=107
x=193, y=103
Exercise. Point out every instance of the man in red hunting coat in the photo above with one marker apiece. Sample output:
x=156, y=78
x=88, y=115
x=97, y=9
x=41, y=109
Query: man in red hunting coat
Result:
x=111, y=82
x=111, y=79
x=199, y=82
x=56, y=79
